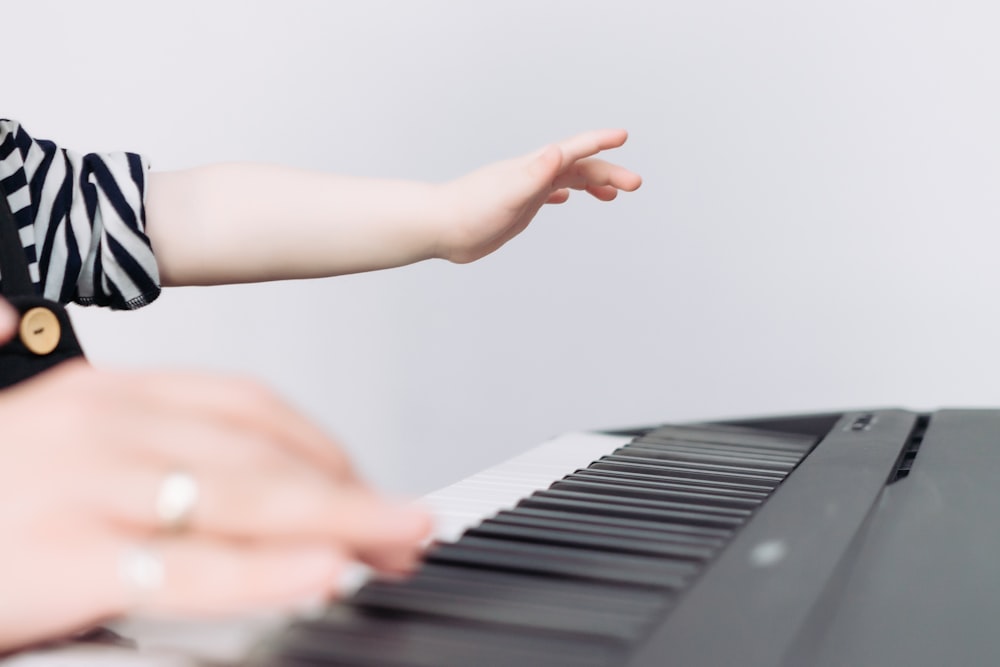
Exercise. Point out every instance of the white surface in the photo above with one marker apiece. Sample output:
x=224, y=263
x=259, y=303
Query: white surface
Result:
x=818, y=227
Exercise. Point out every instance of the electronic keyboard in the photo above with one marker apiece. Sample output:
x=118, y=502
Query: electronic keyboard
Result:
x=863, y=538
x=856, y=539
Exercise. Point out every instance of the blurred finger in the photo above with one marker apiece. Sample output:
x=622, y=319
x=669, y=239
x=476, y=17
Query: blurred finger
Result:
x=274, y=504
x=595, y=171
x=205, y=577
x=167, y=438
x=251, y=407
x=560, y=196
x=404, y=559
x=603, y=192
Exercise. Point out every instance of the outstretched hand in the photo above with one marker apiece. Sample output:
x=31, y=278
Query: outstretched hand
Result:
x=492, y=205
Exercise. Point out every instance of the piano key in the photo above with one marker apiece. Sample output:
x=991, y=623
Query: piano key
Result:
x=609, y=487
x=651, y=482
x=444, y=577
x=654, y=466
x=725, y=451
x=673, y=523
x=348, y=637
x=715, y=433
x=585, y=556
x=735, y=462
x=567, y=522
x=608, y=525
x=721, y=468
x=563, y=562
x=535, y=614
x=466, y=503
x=735, y=490
x=589, y=540
x=676, y=512
x=717, y=447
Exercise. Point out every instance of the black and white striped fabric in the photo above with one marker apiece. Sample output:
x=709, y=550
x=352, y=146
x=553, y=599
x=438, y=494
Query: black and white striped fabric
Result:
x=81, y=220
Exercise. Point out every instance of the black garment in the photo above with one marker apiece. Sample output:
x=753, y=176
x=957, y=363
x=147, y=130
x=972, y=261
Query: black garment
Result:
x=17, y=360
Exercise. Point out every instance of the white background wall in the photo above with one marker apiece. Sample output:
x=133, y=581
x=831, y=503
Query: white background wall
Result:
x=817, y=229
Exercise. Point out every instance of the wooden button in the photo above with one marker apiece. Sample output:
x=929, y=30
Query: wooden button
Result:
x=40, y=330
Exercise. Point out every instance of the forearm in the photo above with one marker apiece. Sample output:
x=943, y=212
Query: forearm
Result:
x=238, y=222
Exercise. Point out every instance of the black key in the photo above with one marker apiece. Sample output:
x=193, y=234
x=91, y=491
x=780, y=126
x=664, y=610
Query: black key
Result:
x=736, y=436
x=658, y=481
x=651, y=456
x=667, y=445
x=610, y=487
x=720, y=517
x=348, y=637
x=575, y=517
x=445, y=577
x=736, y=462
x=700, y=547
x=563, y=562
x=470, y=606
x=653, y=466
x=613, y=544
x=668, y=519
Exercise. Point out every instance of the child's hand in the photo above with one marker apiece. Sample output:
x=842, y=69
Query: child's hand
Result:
x=208, y=230
x=494, y=204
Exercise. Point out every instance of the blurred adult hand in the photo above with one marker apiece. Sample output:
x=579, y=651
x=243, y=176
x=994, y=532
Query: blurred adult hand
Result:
x=279, y=515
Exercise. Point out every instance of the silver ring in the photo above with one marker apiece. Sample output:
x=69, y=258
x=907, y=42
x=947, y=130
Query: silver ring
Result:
x=176, y=500
x=141, y=570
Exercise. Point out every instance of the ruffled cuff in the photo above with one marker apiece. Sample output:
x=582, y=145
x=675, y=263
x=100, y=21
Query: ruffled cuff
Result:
x=83, y=220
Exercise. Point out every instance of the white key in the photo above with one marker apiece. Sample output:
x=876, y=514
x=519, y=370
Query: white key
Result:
x=480, y=496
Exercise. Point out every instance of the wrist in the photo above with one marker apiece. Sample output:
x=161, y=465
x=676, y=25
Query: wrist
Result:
x=451, y=229
x=437, y=222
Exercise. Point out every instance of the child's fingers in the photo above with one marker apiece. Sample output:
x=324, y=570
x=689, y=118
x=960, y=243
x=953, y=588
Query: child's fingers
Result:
x=603, y=192
x=596, y=172
x=560, y=196
x=590, y=143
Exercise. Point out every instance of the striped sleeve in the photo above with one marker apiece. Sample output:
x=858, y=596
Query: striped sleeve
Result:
x=82, y=220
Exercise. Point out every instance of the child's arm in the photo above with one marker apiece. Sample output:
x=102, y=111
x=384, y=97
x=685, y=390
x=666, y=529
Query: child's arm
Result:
x=244, y=222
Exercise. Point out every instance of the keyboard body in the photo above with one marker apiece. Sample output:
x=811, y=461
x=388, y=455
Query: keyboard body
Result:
x=859, y=538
